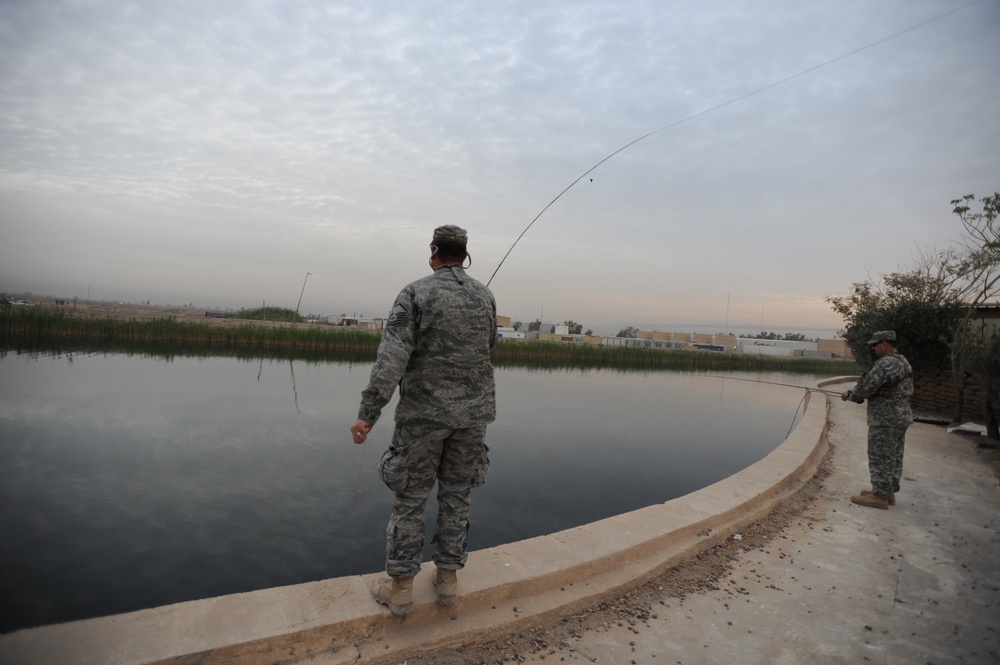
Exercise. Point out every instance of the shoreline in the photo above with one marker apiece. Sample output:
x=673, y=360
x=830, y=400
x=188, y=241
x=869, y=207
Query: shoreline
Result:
x=802, y=567
x=757, y=600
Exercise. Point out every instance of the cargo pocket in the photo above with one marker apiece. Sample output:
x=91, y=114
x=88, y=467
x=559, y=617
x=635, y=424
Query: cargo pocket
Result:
x=481, y=467
x=392, y=472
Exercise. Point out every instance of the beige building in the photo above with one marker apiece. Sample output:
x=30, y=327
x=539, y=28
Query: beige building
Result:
x=837, y=347
x=682, y=339
x=568, y=338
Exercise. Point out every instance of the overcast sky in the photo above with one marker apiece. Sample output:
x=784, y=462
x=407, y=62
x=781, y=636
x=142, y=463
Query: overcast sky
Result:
x=215, y=152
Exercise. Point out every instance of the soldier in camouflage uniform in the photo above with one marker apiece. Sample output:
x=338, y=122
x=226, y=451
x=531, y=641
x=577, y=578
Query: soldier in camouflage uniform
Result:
x=436, y=347
x=887, y=386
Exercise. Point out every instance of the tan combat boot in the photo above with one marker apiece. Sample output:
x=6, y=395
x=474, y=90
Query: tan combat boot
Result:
x=871, y=500
x=446, y=583
x=396, y=593
x=892, y=497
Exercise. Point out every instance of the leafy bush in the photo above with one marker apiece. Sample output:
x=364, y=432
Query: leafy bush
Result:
x=268, y=314
x=922, y=330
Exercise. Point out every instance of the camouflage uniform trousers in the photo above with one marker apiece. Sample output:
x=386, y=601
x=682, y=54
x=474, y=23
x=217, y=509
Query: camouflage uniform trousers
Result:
x=458, y=459
x=885, y=458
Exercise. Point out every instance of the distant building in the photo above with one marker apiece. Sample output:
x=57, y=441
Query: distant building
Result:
x=641, y=343
x=357, y=322
x=836, y=348
x=568, y=338
x=509, y=333
x=986, y=318
x=681, y=340
x=773, y=347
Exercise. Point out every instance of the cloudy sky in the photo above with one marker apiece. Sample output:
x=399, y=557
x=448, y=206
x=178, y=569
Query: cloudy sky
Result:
x=215, y=152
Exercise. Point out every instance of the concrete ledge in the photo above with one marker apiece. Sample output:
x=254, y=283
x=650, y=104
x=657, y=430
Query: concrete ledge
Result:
x=501, y=590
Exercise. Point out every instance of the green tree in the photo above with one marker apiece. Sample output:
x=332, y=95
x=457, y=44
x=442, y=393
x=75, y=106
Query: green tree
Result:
x=629, y=332
x=921, y=326
x=977, y=263
x=762, y=335
x=931, y=306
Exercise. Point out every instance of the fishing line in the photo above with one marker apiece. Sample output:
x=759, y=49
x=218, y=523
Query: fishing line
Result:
x=295, y=392
x=357, y=486
x=796, y=414
x=723, y=105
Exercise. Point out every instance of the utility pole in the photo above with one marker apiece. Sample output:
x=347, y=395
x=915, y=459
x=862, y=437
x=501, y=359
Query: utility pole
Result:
x=300, y=295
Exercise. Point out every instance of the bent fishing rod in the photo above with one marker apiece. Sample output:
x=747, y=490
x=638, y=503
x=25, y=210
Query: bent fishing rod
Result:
x=831, y=393
x=786, y=385
x=716, y=108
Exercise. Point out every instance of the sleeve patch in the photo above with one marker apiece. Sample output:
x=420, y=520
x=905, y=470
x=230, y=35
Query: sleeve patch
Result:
x=398, y=317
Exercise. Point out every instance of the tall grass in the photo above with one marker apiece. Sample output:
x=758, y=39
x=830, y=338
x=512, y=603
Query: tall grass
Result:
x=30, y=325
x=549, y=354
x=33, y=329
x=268, y=314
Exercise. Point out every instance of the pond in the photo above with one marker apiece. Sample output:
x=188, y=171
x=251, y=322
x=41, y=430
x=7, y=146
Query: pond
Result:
x=133, y=481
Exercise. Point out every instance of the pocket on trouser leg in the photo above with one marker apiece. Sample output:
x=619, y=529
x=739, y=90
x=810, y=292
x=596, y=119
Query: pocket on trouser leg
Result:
x=392, y=472
x=481, y=468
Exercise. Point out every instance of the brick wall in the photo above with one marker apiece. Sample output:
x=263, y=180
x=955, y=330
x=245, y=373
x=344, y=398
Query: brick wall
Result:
x=934, y=394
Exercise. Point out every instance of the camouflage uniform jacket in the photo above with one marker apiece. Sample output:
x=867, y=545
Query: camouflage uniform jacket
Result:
x=887, y=386
x=436, y=347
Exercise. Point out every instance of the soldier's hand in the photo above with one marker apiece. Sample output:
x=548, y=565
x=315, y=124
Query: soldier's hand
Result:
x=360, y=430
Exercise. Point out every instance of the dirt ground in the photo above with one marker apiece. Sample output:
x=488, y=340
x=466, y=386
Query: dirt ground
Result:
x=989, y=452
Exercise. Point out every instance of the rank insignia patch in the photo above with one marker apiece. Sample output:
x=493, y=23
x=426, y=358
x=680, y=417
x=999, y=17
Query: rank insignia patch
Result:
x=398, y=317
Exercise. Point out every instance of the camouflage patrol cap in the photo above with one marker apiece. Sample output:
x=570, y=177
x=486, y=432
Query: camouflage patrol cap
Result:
x=450, y=233
x=883, y=336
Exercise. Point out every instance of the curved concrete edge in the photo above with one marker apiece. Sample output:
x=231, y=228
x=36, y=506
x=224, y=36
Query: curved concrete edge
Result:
x=502, y=589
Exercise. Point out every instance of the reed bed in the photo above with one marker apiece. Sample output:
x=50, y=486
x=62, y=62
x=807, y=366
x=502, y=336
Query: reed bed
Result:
x=36, y=325
x=38, y=330
x=549, y=354
x=172, y=350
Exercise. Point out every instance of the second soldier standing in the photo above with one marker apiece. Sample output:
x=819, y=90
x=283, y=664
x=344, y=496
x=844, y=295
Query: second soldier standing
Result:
x=887, y=386
x=436, y=348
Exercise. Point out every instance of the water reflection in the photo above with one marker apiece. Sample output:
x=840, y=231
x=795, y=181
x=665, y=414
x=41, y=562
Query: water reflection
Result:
x=130, y=481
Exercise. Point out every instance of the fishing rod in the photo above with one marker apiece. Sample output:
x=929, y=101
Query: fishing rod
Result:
x=786, y=385
x=808, y=390
x=716, y=108
x=801, y=401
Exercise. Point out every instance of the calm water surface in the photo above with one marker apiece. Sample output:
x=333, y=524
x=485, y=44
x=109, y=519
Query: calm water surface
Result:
x=129, y=482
